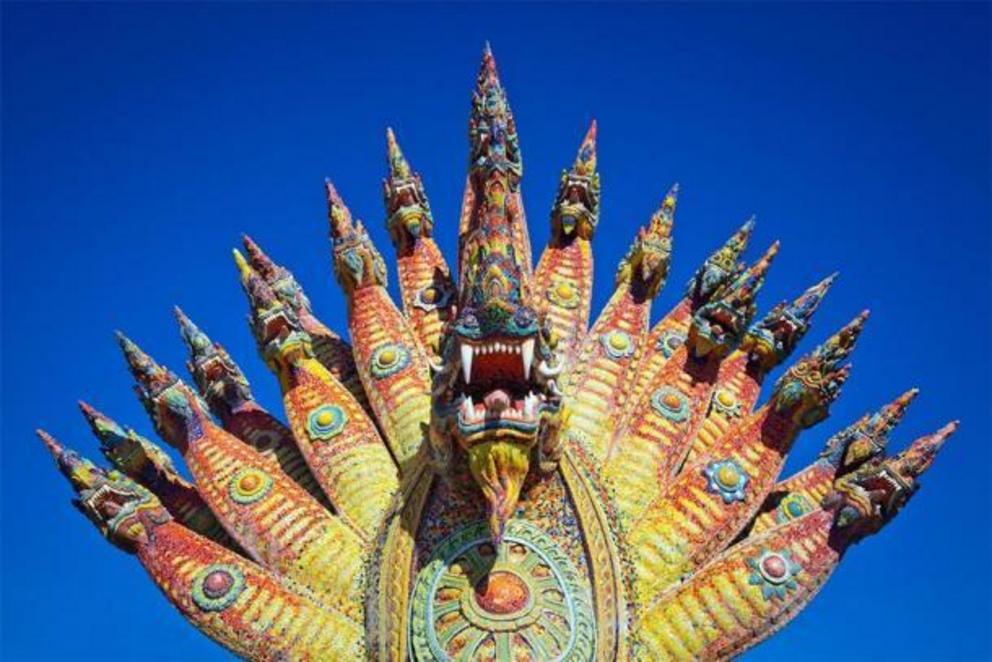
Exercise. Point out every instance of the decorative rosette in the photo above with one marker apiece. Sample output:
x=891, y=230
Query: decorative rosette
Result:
x=671, y=403
x=726, y=478
x=726, y=403
x=326, y=422
x=792, y=506
x=563, y=294
x=431, y=298
x=618, y=344
x=775, y=572
x=249, y=485
x=389, y=359
x=216, y=587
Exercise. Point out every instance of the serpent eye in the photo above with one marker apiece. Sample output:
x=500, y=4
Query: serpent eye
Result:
x=524, y=317
x=470, y=321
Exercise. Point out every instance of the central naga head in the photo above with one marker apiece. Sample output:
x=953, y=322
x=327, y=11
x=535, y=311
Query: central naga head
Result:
x=495, y=393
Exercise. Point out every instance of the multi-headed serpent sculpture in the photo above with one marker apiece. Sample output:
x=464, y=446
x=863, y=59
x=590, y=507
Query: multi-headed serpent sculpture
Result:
x=481, y=475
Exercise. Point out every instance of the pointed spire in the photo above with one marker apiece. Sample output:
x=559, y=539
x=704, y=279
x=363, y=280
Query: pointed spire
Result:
x=108, y=431
x=662, y=220
x=806, y=304
x=887, y=418
x=585, y=161
x=920, y=455
x=151, y=377
x=743, y=290
x=492, y=134
x=341, y=223
x=398, y=166
x=51, y=443
x=840, y=345
x=720, y=268
x=196, y=341
x=259, y=261
x=867, y=437
x=260, y=295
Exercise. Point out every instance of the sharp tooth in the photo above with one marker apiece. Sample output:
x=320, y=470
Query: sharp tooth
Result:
x=529, y=403
x=467, y=363
x=467, y=408
x=553, y=387
x=547, y=370
x=527, y=351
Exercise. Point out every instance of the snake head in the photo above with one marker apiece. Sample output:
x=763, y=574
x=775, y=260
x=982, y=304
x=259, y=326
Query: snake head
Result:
x=125, y=512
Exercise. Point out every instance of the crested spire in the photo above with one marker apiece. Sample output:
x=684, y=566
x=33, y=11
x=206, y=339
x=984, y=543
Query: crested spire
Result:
x=867, y=437
x=585, y=161
x=806, y=303
x=259, y=261
x=721, y=266
x=492, y=133
x=108, y=431
x=887, y=418
x=920, y=455
x=840, y=345
x=151, y=377
x=260, y=295
x=197, y=342
x=51, y=443
x=341, y=223
x=399, y=168
x=663, y=219
x=743, y=290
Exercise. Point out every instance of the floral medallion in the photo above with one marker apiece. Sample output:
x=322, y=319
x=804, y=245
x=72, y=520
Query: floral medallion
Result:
x=216, y=587
x=389, y=359
x=671, y=403
x=727, y=479
x=775, y=572
x=249, y=485
x=326, y=422
x=618, y=344
x=521, y=600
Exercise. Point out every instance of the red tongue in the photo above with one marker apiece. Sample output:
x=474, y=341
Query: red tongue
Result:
x=497, y=400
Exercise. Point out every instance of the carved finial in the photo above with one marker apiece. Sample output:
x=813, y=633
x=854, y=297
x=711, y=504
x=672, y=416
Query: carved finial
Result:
x=721, y=267
x=197, y=342
x=108, y=431
x=398, y=166
x=806, y=303
x=260, y=295
x=743, y=290
x=840, y=345
x=492, y=133
x=585, y=161
x=920, y=455
x=151, y=377
x=338, y=213
x=662, y=220
x=260, y=262
x=51, y=443
x=867, y=437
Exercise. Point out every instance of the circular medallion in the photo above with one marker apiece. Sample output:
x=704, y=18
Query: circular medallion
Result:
x=618, y=344
x=774, y=572
x=431, y=298
x=249, y=485
x=522, y=600
x=216, y=587
x=326, y=421
x=727, y=479
x=726, y=403
x=389, y=359
x=669, y=342
x=563, y=294
x=671, y=403
x=793, y=505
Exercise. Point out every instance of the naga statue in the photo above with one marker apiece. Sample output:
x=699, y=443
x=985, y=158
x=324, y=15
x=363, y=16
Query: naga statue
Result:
x=478, y=473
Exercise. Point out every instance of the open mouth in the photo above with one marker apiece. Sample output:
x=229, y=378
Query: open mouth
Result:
x=108, y=502
x=501, y=388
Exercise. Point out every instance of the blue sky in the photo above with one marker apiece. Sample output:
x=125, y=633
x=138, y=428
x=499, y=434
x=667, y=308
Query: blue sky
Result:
x=140, y=140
